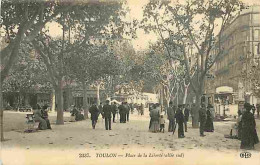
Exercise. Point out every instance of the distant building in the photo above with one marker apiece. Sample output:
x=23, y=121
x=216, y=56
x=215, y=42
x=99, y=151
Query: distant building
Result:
x=240, y=42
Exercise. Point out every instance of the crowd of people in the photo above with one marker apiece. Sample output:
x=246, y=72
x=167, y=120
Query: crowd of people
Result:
x=179, y=116
x=244, y=129
x=109, y=113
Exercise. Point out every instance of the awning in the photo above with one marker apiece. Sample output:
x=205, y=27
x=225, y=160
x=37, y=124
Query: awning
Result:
x=224, y=89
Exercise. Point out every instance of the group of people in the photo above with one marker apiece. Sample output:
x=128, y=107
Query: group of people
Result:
x=245, y=127
x=76, y=114
x=179, y=116
x=109, y=111
x=41, y=116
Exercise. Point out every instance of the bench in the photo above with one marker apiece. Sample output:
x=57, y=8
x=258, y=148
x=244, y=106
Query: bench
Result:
x=31, y=123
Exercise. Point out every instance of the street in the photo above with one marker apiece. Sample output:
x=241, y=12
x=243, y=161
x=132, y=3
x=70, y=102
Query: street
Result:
x=80, y=135
x=78, y=142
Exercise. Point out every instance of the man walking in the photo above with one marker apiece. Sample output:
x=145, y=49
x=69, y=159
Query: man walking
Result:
x=127, y=107
x=202, y=118
x=107, y=115
x=94, y=114
x=180, y=120
x=121, y=112
x=114, y=111
x=171, y=116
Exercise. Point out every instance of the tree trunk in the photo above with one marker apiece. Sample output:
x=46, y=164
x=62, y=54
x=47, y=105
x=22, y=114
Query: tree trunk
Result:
x=195, y=120
x=161, y=97
x=53, y=101
x=98, y=97
x=186, y=87
x=85, y=107
x=1, y=113
x=59, y=90
x=177, y=95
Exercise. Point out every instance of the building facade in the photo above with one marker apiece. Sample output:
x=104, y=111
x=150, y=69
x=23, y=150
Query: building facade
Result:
x=240, y=45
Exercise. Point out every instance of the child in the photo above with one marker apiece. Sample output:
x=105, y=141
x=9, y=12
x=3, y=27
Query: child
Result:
x=162, y=122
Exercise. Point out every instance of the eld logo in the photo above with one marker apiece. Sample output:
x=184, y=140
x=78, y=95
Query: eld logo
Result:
x=245, y=155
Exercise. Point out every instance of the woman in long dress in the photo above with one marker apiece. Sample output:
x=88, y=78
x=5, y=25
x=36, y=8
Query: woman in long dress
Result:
x=155, y=116
x=209, y=127
x=38, y=118
x=248, y=136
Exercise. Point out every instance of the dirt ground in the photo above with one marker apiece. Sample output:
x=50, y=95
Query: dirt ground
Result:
x=131, y=136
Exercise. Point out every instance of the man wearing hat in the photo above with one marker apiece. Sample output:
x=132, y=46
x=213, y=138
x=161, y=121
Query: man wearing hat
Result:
x=180, y=120
x=107, y=113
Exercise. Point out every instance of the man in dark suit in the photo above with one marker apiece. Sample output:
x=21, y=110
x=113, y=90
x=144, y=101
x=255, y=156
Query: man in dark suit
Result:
x=180, y=120
x=127, y=111
x=94, y=114
x=121, y=112
x=107, y=111
x=114, y=111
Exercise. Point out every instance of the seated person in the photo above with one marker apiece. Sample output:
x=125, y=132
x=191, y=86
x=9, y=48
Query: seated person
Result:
x=38, y=118
x=77, y=114
x=45, y=116
x=235, y=129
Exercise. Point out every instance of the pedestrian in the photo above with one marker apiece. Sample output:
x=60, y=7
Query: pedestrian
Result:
x=142, y=109
x=93, y=110
x=121, y=112
x=202, y=119
x=235, y=130
x=151, y=107
x=249, y=135
x=258, y=109
x=155, y=116
x=127, y=108
x=209, y=127
x=114, y=111
x=132, y=108
x=107, y=111
x=162, y=123
x=192, y=113
x=186, y=116
x=171, y=116
x=180, y=120
x=253, y=109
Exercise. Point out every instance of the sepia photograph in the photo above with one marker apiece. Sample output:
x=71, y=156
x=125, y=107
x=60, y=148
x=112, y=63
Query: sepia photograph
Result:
x=130, y=82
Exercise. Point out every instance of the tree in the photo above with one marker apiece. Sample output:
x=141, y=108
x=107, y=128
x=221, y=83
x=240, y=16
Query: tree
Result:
x=92, y=65
x=22, y=21
x=27, y=76
x=88, y=22
x=196, y=24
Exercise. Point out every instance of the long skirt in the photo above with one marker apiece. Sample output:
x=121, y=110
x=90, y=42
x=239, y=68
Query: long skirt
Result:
x=248, y=138
x=209, y=125
x=155, y=126
x=42, y=124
